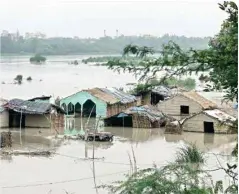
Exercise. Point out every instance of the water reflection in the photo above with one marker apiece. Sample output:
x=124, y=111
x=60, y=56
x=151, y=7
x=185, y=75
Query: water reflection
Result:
x=31, y=139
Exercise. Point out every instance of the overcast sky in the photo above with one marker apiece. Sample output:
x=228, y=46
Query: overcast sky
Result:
x=91, y=18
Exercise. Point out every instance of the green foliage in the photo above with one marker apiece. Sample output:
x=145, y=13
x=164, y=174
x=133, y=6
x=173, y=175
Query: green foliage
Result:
x=220, y=59
x=179, y=177
x=37, y=59
x=190, y=154
x=62, y=46
x=105, y=59
x=141, y=88
x=18, y=78
x=188, y=83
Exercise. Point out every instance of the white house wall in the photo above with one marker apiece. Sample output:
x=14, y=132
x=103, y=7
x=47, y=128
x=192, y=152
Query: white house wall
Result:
x=196, y=124
x=171, y=106
x=4, y=119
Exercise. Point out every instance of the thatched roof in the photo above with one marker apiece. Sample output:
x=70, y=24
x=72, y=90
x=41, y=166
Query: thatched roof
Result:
x=151, y=112
x=205, y=103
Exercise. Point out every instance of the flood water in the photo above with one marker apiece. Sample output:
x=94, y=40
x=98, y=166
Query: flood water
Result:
x=68, y=170
x=56, y=77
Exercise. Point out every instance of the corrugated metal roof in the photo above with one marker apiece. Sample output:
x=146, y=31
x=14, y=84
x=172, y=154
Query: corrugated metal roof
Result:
x=149, y=111
x=112, y=95
x=120, y=95
x=219, y=115
x=31, y=107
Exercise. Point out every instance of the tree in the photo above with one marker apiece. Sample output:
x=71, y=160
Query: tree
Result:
x=220, y=58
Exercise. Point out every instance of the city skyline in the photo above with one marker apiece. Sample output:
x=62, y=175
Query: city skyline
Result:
x=58, y=18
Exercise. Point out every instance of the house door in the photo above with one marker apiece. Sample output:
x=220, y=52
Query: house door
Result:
x=15, y=119
x=208, y=127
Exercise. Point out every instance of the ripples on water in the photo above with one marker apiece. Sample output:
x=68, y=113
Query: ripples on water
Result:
x=151, y=146
x=59, y=78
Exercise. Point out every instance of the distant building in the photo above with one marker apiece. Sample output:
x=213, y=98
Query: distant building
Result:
x=209, y=121
x=97, y=102
x=185, y=104
x=4, y=33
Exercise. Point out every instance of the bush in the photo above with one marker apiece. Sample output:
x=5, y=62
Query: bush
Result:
x=37, y=59
x=18, y=78
x=190, y=154
x=188, y=83
x=29, y=78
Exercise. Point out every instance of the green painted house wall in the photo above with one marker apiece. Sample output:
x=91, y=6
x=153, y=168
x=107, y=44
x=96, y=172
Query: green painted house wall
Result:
x=81, y=98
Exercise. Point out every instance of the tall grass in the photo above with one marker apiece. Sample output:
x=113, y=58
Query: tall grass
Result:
x=190, y=154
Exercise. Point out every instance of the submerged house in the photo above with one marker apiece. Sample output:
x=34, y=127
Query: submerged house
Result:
x=32, y=114
x=137, y=117
x=155, y=95
x=185, y=104
x=209, y=121
x=103, y=102
x=4, y=116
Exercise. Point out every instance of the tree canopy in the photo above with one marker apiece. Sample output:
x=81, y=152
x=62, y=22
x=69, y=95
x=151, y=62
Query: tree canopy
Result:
x=62, y=46
x=220, y=59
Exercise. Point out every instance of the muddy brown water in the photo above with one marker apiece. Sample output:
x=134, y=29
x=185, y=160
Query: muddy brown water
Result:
x=66, y=170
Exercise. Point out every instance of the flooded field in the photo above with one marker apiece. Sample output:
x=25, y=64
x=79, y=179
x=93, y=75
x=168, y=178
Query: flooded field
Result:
x=68, y=169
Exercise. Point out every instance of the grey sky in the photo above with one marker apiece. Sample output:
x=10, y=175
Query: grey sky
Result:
x=90, y=18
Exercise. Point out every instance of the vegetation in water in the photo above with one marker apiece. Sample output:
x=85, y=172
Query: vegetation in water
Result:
x=172, y=82
x=188, y=83
x=18, y=78
x=37, y=59
x=190, y=154
x=179, y=177
x=75, y=62
x=105, y=59
x=29, y=78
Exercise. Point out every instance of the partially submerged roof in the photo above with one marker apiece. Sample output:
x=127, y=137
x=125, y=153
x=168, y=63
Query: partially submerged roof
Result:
x=112, y=95
x=219, y=115
x=205, y=103
x=149, y=111
x=31, y=107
